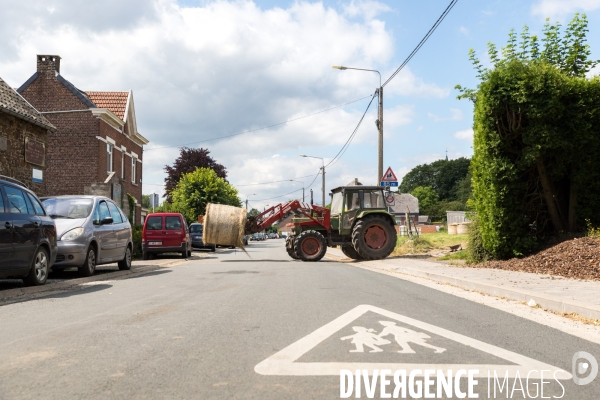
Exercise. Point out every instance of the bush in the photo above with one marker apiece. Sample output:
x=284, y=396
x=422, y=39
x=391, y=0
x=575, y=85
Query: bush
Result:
x=136, y=235
x=476, y=251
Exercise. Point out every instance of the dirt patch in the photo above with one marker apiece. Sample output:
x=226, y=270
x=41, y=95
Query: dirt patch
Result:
x=577, y=258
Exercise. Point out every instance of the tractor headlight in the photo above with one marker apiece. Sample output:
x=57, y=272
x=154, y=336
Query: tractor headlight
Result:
x=72, y=234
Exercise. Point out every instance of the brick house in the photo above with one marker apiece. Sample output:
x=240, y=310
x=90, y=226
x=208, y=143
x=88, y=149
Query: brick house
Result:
x=96, y=148
x=23, y=137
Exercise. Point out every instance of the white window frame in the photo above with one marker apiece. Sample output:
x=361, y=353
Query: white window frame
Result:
x=109, y=158
x=133, y=170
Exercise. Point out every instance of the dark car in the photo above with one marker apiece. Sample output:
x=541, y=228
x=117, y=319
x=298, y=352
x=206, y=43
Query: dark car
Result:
x=165, y=233
x=196, y=231
x=27, y=234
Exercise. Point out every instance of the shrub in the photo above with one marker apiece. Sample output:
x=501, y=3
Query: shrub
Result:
x=476, y=251
x=136, y=235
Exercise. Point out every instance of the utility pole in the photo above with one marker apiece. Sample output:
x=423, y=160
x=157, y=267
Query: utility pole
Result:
x=323, y=171
x=379, y=121
x=380, y=127
x=253, y=194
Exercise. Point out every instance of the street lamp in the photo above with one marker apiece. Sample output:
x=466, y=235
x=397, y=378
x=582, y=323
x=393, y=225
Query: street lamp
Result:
x=253, y=194
x=379, y=121
x=291, y=180
x=304, y=155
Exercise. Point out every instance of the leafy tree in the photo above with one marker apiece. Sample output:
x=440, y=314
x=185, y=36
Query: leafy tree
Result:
x=200, y=187
x=188, y=160
x=536, y=139
x=146, y=201
x=443, y=176
x=253, y=212
x=427, y=199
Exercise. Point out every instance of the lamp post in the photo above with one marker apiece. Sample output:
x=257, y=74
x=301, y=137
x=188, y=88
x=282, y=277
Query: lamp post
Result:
x=253, y=194
x=323, y=168
x=379, y=121
x=291, y=180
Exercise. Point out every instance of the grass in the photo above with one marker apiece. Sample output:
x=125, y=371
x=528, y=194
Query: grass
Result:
x=457, y=255
x=428, y=242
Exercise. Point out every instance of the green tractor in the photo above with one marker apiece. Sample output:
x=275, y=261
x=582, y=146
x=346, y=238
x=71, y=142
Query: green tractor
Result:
x=358, y=222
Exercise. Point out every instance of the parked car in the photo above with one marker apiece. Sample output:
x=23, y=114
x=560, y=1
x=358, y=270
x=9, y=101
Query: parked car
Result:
x=92, y=230
x=245, y=240
x=27, y=234
x=196, y=230
x=165, y=233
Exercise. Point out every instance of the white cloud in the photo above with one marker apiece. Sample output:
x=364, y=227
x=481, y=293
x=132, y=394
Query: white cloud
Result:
x=222, y=68
x=464, y=30
x=466, y=134
x=455, y=115
x=559, y=9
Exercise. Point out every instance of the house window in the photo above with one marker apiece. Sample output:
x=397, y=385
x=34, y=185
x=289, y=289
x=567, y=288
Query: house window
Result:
x=132, y=169
x=109, y=158
x=122, y=165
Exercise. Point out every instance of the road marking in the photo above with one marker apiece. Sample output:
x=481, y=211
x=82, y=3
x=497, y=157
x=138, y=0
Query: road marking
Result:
x=284, y=361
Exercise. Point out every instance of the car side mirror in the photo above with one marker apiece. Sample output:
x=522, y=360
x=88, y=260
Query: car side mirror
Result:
x=106, y=221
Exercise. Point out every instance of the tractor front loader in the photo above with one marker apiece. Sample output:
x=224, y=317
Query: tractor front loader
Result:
x=358, y=222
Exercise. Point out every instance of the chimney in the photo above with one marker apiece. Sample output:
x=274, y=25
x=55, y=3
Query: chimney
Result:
x=48, y=64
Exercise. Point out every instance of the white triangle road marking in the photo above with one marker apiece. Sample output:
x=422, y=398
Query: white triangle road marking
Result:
x=284, y=361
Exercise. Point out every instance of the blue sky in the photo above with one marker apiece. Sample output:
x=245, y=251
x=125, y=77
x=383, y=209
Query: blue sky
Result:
x=205, y=69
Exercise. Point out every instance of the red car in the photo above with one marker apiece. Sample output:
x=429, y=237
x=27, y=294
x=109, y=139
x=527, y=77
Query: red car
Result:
x=165, y=233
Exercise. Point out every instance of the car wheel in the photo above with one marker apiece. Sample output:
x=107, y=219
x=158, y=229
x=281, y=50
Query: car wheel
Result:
x=89, y=265
x=213, y=249
x=189, y=253
x=145, y=256
x=38, y=272
x=125, y=263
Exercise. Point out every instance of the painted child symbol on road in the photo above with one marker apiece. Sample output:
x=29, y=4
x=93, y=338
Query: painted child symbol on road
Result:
x=402, y=336
x=365, y=337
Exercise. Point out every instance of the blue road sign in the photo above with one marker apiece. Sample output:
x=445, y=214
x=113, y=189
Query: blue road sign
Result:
x=395, y=184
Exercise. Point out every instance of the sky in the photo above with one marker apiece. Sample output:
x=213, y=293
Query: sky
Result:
x=203, y=70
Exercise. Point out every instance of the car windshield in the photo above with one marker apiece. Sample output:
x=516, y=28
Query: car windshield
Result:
x=196, y=228
x=71, y=208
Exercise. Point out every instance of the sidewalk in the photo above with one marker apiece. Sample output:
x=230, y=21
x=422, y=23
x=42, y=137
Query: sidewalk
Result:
x=554, y=293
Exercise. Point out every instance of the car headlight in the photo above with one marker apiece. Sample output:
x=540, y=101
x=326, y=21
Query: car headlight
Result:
x=72, y=234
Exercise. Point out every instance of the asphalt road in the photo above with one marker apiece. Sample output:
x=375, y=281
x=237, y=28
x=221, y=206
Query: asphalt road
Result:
x=232, y=327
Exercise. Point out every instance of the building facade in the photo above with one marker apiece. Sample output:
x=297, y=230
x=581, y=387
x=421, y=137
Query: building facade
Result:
x=23, y=140
x=96, y=148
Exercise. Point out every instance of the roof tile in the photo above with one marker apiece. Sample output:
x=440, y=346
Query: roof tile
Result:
x=11, y=102
x=114, y=101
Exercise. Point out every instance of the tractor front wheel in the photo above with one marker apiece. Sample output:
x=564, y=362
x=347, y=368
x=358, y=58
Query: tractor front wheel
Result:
x=374, y=237
x=289, y=247
x=351, y=253
x=310, y=246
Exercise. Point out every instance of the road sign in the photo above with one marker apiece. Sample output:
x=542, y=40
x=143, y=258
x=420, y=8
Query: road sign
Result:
x=422, y=346
x=390, y=200
x=389, y=176
x=394, y=184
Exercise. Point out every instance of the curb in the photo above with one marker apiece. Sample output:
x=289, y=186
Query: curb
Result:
x=548, y=302
x=33, y=292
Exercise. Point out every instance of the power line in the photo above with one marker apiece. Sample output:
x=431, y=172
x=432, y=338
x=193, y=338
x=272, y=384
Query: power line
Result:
x=347, y=144
x=294, y=191
x=258, y=129
x=422, y=42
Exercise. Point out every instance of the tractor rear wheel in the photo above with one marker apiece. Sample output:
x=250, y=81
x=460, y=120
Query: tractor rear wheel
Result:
x=310, y=246
x=351, y=253
x=374, y=237
x=289, y=247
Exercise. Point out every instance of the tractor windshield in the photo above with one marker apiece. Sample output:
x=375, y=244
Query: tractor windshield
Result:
x=336, y=203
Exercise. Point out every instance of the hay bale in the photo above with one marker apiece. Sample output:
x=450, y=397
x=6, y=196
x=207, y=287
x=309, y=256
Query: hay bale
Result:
x=224, y=225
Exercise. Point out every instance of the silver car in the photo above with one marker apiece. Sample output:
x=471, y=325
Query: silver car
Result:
x=91, y=230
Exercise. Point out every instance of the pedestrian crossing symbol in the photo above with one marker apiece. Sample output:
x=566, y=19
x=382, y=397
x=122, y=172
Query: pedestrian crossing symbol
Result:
x=372, y=339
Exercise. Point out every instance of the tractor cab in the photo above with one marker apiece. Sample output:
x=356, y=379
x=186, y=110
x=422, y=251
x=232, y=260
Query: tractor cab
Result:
x=351, y=203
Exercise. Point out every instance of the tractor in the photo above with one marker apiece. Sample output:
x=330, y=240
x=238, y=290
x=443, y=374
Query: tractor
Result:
x=358, y=222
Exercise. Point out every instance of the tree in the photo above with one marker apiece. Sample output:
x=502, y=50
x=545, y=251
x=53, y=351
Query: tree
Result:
x=443, y=176
x=188, y=161
x=196, y=189
x=427, y=199
x=536, y=139
x=146, y=201
x=253, y=212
